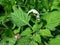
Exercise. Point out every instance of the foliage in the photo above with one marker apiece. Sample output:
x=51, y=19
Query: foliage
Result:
x=17, y=27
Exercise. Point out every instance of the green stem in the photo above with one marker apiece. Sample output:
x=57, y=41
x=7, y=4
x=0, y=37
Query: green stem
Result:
x=4, y=25
x=13, y=26
x=30, y=26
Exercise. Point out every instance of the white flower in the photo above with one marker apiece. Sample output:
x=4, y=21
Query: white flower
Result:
x=35, y=12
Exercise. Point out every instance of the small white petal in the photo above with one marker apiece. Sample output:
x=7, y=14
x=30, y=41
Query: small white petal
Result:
x=16, y=37
x=38, y=19
x=33, y=11
x=37, y=16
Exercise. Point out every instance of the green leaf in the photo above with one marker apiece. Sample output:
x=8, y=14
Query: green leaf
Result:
x=8, y=33
x=55, y=4
x=1, y=1
x=45, y=32
x=52, y=19
x=17, y=30
x=45, y=4
x=36, y=37
x=26, y=32
x=23, y=41
x=7, y=5
x=36, y=27
x=55, y=41
x=19, y=17
x=33, y=43
x=11, y=41
x=2, y=18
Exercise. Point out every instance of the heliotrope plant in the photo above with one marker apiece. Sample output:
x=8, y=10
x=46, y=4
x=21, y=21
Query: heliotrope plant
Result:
x=27, y=22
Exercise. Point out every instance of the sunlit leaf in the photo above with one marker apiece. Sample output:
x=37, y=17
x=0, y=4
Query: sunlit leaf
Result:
x=33, y=43
x=36, y=27
x=19, y=17
x=52, y=19
x=36, y=37
x=10, y=41
x=26, y=32
x=17, y=30
x=45, y=32
x=55, y=41
x=23, y=41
